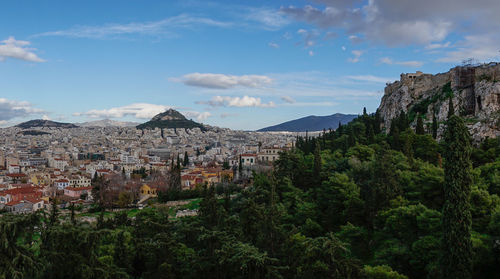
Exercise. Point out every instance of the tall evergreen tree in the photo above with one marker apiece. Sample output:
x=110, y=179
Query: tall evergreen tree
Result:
x=377, y=122
x=456, y=261
x=185, y=163
x=420, y=126
x=434, y=126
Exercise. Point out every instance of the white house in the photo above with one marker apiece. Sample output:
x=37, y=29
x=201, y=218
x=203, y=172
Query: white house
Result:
x=61, y=184
x=248, y=159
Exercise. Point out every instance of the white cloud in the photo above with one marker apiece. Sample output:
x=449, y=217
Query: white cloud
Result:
x=222, y=81
x=11, y=109
x=12, y=48
x=228, y=101
x=437, y=46
x=199, y=116
x=389, y=61
x=311, y=53
x=287, y=99
x=355, y=39
x=45, y=117
x=396, y=22
x=308, y=37
x=270, y=19
x=273, y=45
x=165, y=26
x=137, y=110
x=479, y=47
x=369, y=78
x=357, y=54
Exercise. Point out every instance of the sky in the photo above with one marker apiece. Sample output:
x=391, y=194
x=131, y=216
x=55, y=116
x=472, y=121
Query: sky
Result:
x=237, y=64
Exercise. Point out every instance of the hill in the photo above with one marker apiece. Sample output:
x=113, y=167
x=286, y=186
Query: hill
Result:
x=171, y=119
x=107, y=123
x=474, y=90
x=40, y=123
x=311, y=123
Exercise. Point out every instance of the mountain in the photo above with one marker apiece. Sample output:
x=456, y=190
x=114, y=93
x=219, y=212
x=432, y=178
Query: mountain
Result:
x=107, y=123
x=39, y=123
x=311, y=123
x=170, y=119
x=474, y=90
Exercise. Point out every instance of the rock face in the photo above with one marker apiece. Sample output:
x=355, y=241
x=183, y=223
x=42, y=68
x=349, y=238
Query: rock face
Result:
x=475, y=91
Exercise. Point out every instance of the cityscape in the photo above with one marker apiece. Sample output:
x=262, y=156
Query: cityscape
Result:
x=250, y=139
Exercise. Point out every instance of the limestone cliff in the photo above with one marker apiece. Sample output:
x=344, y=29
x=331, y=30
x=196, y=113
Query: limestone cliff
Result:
x=475, y=91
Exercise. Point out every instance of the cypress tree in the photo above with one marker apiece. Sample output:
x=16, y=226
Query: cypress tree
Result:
x=434, y=126
x=420, y=126
x=456, y=259
x=72, y=215
x=186, y=159
x=376, y=124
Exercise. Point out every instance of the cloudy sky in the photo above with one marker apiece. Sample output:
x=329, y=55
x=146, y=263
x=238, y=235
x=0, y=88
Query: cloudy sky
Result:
x=237, y=64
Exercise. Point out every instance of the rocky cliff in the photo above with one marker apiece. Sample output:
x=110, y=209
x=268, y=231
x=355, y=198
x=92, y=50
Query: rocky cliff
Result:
x=474, y=89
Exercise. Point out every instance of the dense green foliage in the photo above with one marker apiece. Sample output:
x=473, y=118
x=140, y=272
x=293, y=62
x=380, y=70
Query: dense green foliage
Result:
x=351, y=203
x=457, y=220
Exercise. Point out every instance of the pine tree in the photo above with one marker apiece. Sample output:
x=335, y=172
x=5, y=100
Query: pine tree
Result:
x=456, y=260
x=420, y=126
x=185, y=163
x=434, y=126
x=72, y=216
x=403, y=121
x=377, y=122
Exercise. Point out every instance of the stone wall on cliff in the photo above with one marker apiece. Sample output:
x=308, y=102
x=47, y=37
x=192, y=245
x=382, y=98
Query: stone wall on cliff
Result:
x=475, y=91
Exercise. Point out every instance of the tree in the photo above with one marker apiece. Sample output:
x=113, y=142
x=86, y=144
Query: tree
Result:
x=456, y=261
x=317, y=165
x=72, y=215
x=17, y=260
x=185, y=163
x=434, y=126
x=420, y=126
x=124, y=199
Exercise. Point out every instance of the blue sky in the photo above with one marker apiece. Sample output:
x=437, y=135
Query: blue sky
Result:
x=236, y=64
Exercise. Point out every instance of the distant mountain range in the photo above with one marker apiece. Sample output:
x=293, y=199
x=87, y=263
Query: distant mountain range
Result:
x=107, y=123
x=311, y=123
x=171, y=119
x=40, y=123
